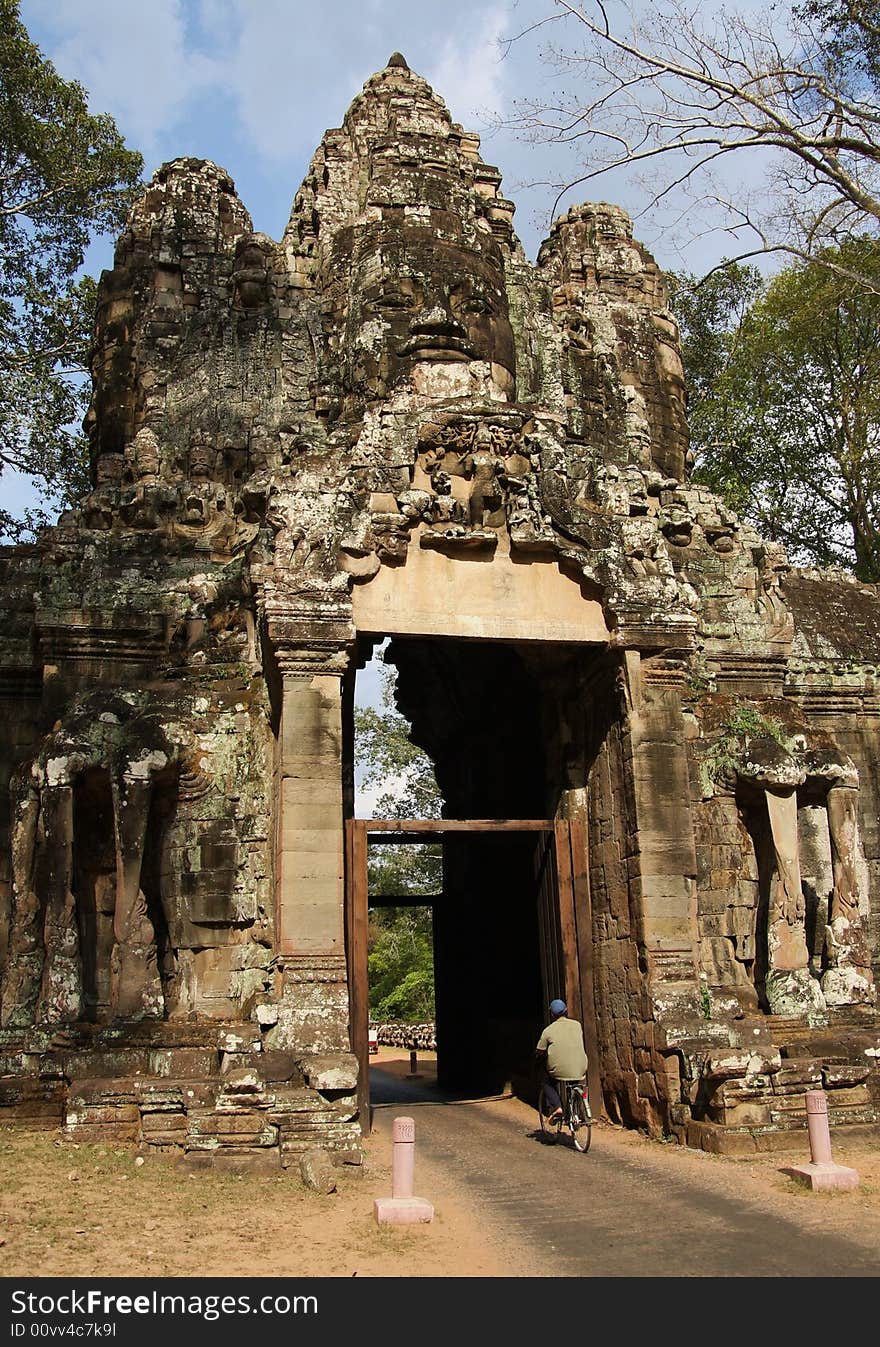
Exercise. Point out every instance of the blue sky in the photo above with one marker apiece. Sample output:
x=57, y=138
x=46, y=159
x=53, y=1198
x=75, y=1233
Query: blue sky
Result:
x=253, y=85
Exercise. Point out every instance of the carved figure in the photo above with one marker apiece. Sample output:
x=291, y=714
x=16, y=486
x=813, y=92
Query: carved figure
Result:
x=420, y=311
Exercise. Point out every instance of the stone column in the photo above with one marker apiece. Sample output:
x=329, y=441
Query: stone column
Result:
x=664, y=834
x=848, y=978
x=791, y=988
x=135, y=984
x=313, y=1016
x=60, y=998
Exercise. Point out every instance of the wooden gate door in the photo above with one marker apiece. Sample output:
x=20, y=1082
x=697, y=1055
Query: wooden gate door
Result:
x=550, y=951
x=564, y=921
x=356, y=919
x=576, y=939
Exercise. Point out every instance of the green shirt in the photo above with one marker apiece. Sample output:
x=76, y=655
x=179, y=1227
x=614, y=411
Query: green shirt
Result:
x=563, y=1041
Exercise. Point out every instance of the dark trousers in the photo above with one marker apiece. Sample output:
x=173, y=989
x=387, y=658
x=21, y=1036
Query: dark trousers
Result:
x=552, y=1094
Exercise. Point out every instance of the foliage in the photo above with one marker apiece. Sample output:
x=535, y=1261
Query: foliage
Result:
x=401, y=964
x=387, y=757
x=851, y=29
x=710, y=312
x=674, y=89
x=700, y=679
x=400, y=942
x=785, y=402
x=65, y=177
x=746, y=722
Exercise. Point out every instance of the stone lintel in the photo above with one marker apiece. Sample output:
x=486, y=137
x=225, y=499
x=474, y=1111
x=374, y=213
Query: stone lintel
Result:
x=650, y=634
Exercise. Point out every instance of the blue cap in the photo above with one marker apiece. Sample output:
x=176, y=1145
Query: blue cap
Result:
x=558, y=1007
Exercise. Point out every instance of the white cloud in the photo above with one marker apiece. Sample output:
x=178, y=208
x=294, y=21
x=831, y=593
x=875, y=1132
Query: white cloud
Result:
x=468, y=73
x=275, y=72
x=253, y=84
x=290, y=70
x=136, y=60
x=292, y=67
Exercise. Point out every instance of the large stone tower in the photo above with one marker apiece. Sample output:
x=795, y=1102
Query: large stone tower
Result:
x=392, y=424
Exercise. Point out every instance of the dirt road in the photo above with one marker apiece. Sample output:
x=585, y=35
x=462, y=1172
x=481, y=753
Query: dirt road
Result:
x=505, y=1207
x=630, y=1207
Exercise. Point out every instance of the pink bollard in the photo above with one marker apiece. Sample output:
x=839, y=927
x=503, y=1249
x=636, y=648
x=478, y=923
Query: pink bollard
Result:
x=821, y=1174
x=401, y=1208
x=403, y=1156
x=817, y=1126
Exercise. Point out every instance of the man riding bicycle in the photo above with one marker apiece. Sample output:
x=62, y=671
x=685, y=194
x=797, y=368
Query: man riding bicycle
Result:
x=562, y=1046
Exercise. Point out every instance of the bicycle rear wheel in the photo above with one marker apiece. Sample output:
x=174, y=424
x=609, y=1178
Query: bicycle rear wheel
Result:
x=549, y=1130
x=580, y=1122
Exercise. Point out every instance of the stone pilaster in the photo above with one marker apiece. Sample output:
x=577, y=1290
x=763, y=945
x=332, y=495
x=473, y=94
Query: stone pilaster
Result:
x=313, y=1014
x=666, y=853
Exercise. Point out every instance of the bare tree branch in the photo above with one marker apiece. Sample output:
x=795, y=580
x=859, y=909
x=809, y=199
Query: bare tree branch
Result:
x=661, y=88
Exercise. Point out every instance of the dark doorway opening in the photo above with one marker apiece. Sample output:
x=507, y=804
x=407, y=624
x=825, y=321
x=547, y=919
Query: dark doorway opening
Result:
x=512, y=930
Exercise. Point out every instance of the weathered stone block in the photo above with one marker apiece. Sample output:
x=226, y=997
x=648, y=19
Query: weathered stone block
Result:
x=330, y=1071
x=184, y=1063
x=163, y=1124
x=647, y=1086
x=317, y=1170
x=103, y=1134
x=747, y=1114
x=843, y=1074
x=844, y=1096
x=797, y=1077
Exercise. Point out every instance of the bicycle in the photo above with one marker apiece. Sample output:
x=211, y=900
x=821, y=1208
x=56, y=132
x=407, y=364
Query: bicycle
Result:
x=576, y=1115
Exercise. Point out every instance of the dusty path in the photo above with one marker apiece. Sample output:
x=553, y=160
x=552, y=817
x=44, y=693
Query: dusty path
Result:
x=87, y=1210
x=634, y=1208
x=92, y=1211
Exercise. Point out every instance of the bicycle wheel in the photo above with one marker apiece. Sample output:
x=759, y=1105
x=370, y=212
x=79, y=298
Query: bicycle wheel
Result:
x=580, y=1122
x=549, y=1130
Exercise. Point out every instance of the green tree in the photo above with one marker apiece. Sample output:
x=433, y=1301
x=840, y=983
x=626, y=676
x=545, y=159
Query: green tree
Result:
x=400, y=941
x=785, y=417
x=386, y=757
x=710, y=312
x=400, y=964
x=65, y=178
x=851, y=32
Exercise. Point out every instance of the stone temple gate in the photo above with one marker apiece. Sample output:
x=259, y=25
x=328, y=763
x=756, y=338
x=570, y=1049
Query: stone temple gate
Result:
x=391, y=424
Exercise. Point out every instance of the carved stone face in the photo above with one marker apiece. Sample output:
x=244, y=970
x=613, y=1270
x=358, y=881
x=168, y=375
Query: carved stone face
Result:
x=251, y=275
x=415, y=303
